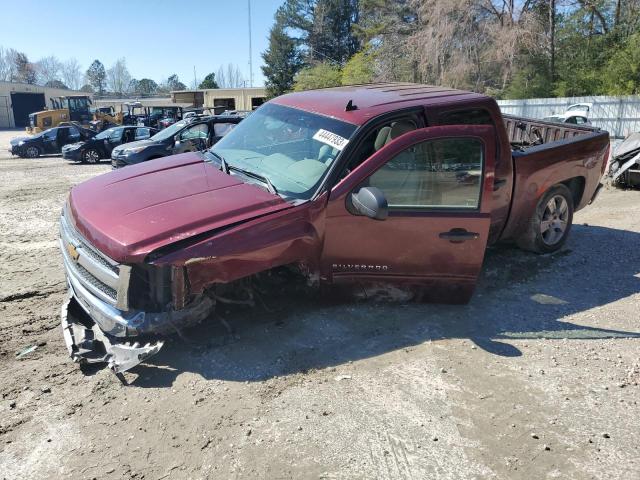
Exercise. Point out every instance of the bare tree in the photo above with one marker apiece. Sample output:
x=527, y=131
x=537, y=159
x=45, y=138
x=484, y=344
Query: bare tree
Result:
x=118, y=76
x=230, y=77
x=5, y=65
x=71, y=74
x=48, y=69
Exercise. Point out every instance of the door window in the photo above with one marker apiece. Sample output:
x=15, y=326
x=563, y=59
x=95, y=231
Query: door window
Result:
x=197, y=131
x=143, y=133
x=221, y=129
x=436, y=174
x=74, y=134
x=116, y=135
x=50, y=135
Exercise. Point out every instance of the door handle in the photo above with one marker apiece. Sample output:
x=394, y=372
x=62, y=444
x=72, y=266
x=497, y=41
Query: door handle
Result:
x=499, y=183
x=458, y=235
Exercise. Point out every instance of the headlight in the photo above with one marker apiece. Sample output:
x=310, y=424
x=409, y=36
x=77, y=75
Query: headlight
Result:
x=20, y=143
x=129, y=151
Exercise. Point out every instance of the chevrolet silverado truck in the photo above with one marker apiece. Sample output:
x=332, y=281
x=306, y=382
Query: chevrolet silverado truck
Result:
x=388, y=184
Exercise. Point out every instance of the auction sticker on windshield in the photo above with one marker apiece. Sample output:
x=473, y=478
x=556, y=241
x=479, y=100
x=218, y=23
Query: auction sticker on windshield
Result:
x=331, y=139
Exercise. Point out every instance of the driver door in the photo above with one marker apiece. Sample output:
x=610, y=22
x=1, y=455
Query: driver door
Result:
x=437, y=182
x=192, y=139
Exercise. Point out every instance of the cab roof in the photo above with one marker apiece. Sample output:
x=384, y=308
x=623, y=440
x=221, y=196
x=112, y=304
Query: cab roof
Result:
x=372, y=100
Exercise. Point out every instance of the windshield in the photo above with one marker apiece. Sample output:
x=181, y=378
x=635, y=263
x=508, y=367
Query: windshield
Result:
x=168, y=132
x=106, y=133
x=556, y=119
x=294, y=149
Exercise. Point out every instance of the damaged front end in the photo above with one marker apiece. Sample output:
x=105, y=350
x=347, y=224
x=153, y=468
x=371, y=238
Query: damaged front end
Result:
x=115, y=313
x=625, y=166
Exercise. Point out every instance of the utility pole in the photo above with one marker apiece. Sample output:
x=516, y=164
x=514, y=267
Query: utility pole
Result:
x=195, y=81
x=250, y=47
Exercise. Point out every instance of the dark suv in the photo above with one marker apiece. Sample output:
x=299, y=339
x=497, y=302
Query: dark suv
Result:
x=50, y=141
x=184, y=136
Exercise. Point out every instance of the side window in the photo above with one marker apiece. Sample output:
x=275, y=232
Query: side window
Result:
x=475, y=116
x=581, y=120
x=142, y=133
x=441, y=173
x=197, y=131
x=74, y=134
x=50, y=135
x=221, y=129
x=572, y=120
x=116, y=135
x=377, y=139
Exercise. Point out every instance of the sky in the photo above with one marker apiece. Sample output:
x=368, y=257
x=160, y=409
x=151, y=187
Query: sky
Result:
x=158, y=38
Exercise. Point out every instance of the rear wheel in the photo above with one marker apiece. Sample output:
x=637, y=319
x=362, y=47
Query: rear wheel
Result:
x=32, y=152
x=550, y=225
x=91, y=156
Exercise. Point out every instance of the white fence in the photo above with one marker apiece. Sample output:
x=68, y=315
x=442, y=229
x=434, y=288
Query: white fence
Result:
x=620, y=116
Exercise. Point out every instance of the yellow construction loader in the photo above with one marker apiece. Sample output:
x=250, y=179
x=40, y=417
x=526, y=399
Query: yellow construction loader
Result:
x=64, y=109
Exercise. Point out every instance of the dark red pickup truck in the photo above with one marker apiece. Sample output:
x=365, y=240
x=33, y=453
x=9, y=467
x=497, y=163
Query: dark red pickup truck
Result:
x=385, y=184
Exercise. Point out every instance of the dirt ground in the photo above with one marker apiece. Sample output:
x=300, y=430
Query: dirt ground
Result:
x=538, y=377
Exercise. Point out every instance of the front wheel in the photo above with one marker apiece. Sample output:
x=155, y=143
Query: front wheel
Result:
x=550, y=224
x=91, y=156
x=32, y=152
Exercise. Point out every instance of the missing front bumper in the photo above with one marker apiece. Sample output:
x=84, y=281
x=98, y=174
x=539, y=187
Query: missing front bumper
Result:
x=88, y=344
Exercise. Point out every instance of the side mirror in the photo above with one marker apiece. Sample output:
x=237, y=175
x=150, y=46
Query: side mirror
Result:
x=370, y=202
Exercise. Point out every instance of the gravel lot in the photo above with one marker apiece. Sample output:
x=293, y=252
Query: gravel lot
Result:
x=536, y=378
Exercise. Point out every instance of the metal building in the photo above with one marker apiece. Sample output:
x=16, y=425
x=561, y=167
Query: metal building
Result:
x=221, y=99
x=18, y=100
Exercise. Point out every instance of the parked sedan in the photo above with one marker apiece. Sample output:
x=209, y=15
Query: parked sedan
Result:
x=49, y=142
x=183, y=136
x=101, y=146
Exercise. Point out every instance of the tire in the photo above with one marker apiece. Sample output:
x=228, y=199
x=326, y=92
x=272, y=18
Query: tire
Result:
x=550, y=225
x=91, y=156
x=32, y=152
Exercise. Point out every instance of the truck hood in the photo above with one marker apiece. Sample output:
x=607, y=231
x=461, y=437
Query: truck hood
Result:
x=131, y=212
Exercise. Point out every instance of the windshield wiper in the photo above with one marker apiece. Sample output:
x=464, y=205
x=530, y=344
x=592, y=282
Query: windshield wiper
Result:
x=264, y=179
x=224, y=166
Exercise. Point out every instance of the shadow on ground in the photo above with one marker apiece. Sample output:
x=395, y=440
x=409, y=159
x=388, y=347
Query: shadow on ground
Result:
x=519, y=296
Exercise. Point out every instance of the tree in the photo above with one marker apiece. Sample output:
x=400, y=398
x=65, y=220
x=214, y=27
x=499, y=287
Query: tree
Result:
x=118, y=77
x=56, y=84
x=25, y=71
x=622, y=73
x=231, y=77
x=359, y=69
x=209, y=81
x=48, y=69
x=146, y=86
x=71, y=73
x=282, y=60
x=321, y=75
x=87, y=88
x=96, y=76
x=174, y=83
x=325, y=28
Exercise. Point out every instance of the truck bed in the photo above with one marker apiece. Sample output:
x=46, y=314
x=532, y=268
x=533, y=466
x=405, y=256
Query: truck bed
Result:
x=545, y=154
x=526, y=132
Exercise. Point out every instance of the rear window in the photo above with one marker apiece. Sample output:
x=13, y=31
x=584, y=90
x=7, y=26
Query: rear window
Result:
x=476, y=116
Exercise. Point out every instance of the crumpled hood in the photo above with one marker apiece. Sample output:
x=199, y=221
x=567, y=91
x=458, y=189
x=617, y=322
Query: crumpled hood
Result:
x=128, y=213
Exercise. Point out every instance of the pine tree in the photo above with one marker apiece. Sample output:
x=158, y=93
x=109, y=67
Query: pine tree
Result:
x=282, y=59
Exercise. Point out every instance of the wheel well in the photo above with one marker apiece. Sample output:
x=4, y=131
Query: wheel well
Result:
x=576, y=185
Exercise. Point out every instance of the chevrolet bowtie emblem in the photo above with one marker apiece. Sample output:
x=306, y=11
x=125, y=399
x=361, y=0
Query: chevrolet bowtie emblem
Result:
x=73, y=252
